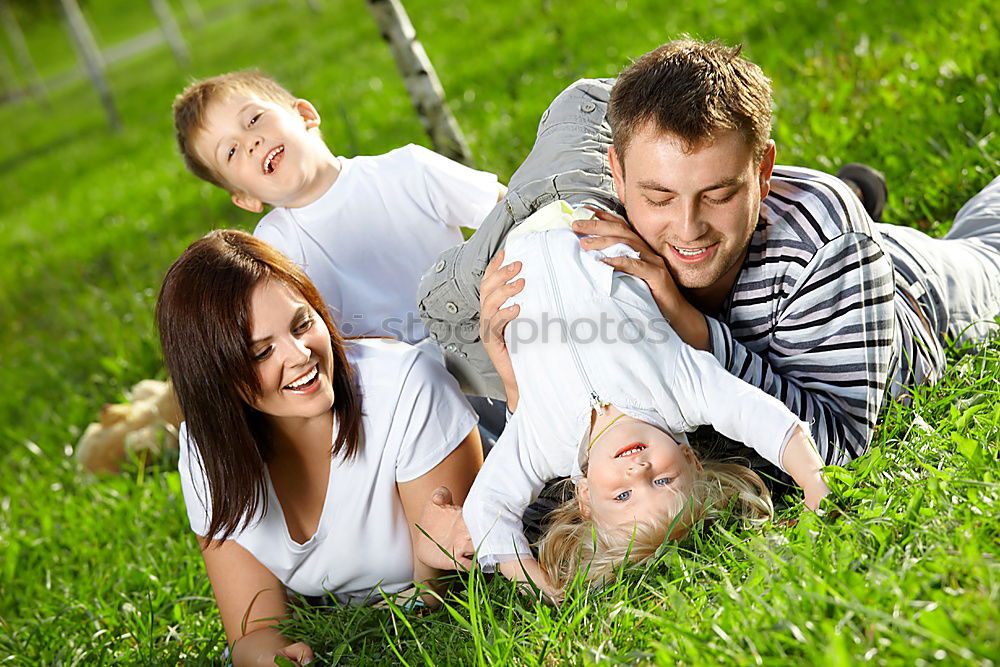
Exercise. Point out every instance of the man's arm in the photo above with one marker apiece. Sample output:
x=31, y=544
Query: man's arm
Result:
x=830, y=349
x=828, y=353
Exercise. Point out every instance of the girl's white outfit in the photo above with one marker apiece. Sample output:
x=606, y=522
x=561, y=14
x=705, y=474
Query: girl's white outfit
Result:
x=414, y=416
x=588, y=336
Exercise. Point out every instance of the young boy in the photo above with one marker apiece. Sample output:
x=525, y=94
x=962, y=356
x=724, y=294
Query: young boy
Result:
x=364, y=229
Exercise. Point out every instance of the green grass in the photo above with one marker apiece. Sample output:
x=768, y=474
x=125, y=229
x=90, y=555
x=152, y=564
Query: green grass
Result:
x=104, y=570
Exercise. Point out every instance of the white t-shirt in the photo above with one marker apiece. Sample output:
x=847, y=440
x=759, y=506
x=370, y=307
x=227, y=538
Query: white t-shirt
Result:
x=367, y=240
x=585, y=335
x=414, y=416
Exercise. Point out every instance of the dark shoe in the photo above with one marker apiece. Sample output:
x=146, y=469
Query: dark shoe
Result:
x=868, y=184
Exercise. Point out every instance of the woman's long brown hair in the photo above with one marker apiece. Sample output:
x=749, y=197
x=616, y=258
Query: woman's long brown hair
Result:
x=204, y=316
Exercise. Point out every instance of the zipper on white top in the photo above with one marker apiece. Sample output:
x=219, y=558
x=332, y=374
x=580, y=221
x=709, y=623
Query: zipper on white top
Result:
x=595, y=400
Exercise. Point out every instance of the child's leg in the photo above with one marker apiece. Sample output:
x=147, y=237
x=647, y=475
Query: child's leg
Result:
x=570, y=161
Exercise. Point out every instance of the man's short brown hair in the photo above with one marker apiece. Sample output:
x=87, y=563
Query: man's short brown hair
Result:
x=192, y=104
x=692, y=89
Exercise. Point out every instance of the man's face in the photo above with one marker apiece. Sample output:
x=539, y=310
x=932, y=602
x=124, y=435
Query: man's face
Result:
x=267, y=153
x=697, y=209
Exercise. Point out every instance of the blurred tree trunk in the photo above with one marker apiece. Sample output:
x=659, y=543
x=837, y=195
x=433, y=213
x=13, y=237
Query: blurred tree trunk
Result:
x=421, y=80
x=21, y=53
x=93, y=61
x=171, y=31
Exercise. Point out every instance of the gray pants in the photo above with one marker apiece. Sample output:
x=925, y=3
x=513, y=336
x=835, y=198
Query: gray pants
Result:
x=974, y=283
x=959, y=275
x=569, y=161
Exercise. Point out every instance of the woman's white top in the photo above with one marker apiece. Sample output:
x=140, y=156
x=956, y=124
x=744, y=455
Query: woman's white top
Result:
x=414, y=416
x=587, y=336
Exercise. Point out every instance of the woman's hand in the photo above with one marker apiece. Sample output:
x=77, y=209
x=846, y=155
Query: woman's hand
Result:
x=495, y=288
x=444, y=542
x=261, y=647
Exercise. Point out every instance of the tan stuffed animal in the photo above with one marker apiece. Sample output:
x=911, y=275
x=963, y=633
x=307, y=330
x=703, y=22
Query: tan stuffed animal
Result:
x=148, y=422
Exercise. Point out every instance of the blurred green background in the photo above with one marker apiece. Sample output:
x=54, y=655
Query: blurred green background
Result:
x=97, y=570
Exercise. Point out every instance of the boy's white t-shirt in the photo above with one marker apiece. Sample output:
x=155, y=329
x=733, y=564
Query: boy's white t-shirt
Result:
x=414, y=416
x=366, y=242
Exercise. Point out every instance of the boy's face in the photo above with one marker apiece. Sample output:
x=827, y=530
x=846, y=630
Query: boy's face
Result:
x=266, y=152
x=637, y=473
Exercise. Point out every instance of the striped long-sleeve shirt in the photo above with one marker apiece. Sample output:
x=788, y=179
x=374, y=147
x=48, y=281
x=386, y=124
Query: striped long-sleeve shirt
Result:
x=823, y=315
x=820, y=317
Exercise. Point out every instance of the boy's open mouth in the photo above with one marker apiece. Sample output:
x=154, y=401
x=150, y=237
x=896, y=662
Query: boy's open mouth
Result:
x=630, y=450
x=272, y=159
x=304, y=381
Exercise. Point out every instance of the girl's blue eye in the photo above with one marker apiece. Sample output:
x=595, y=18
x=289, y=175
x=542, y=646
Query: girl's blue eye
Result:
x=663, y=481
x=623, y=496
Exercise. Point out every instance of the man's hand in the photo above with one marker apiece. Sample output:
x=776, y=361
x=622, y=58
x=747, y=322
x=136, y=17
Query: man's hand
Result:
x=441, y=527
x=495, y=288
x=608, y=229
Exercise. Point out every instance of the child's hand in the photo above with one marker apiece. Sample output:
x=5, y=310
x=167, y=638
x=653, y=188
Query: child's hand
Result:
x=494, y=290
x=815, y=493
x=444, y=542
x=529, y=574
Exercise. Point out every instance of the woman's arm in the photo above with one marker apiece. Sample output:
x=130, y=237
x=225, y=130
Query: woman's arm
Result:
x=445, y=527
x=251, y=600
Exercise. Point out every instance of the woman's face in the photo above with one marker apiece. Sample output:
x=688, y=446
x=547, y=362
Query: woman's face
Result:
x=294, y=356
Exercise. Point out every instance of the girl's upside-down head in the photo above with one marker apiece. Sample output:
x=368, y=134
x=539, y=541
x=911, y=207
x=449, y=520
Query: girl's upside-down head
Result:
x=640, y=487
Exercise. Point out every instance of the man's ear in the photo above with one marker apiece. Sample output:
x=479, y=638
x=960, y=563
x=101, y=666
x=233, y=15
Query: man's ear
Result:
x=248, y=203
x=308, y=112
x=617, y=173
x=583, y=497
x=765, y=168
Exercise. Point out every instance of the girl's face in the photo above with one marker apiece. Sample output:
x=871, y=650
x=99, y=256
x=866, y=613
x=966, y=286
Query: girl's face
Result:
x=294, y=356
x=636, y=473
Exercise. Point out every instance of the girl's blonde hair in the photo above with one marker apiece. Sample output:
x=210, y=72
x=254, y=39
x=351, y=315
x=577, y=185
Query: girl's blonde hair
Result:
x=572, y=539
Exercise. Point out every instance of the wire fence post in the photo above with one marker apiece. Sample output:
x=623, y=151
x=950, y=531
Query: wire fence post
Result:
x=171, y=31
x=314, y=5
x=421, y=80
x=11, y=87
x=193, y=12
x=21, y=52
x=87, y=49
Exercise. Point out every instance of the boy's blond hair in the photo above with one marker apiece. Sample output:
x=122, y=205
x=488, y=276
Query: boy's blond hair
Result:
x=573, y=540
x=191, y=106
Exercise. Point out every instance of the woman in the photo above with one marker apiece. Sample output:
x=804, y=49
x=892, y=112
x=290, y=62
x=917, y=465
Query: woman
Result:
x=306, y=460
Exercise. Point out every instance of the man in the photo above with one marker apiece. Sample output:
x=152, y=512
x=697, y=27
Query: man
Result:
x=779, y=272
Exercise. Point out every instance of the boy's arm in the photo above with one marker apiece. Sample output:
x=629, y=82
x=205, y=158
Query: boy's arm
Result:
x=459, y=195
